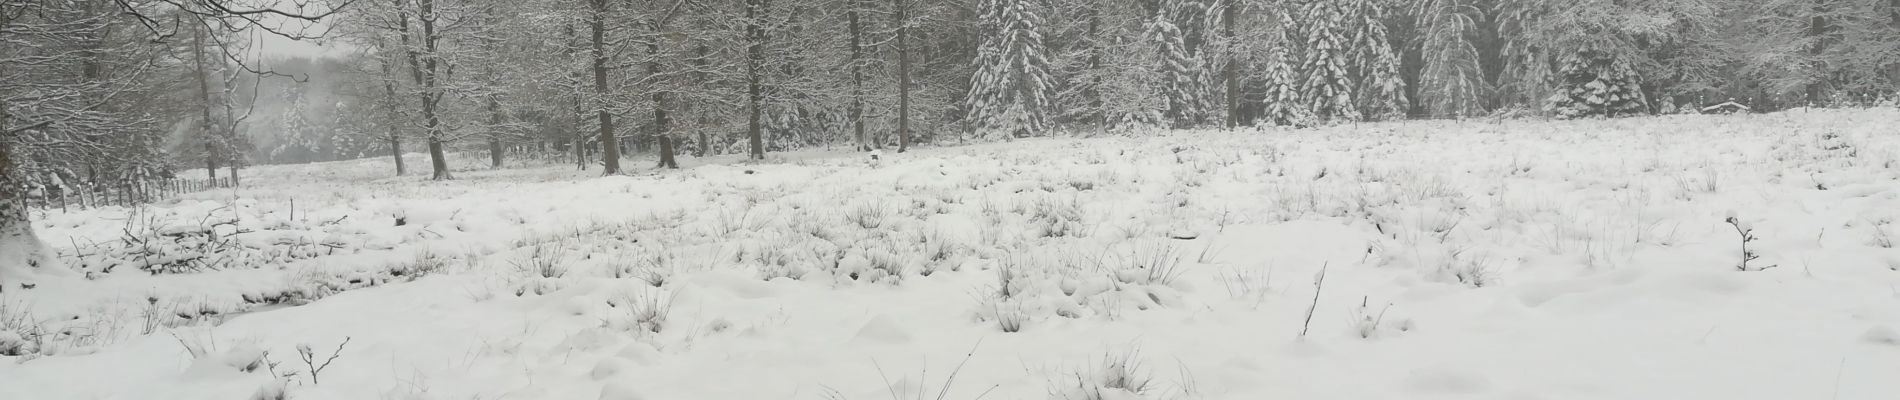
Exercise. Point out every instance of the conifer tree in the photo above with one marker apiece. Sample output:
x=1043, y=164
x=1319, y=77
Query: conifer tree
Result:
x=1452, y=79
x=1326, y=82
x=1184, y=69
x=1379, y=90
x=1009, y=93
x=1283, y=102
x=1594, y=83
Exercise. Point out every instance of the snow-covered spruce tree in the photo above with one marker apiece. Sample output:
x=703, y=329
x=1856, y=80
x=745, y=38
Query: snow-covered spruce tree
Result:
x=1379, y=91
x=1009, y=93
x=1595, y=84
x=1183, y=69
x=298, y=140
x=1325, y=79
x=1283, y=103
x=1589, y=57
x=1452, y=81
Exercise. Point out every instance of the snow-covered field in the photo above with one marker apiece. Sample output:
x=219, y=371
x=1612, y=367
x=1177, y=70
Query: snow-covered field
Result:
x=1469, y=260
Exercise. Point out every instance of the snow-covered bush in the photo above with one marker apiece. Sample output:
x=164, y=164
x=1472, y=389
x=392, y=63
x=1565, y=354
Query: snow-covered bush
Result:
x=19, y=334
x=1058, y=216
x=548, y=260
x=224, y=238
x=642, y=311
x=1152, y=262
x=1117, y=376
x=869, y=214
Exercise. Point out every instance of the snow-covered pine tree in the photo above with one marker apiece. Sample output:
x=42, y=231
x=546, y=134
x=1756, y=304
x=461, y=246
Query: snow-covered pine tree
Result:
x=298, y=141
x=1581, y=58
x=1184, y=70
x=1283, y=102
x=1326, y=81
x=1379, y=91
x=1594, y=83
x=1009, y=93
x=1452, y=79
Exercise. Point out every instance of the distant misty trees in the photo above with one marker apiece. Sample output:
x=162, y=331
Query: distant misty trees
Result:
x=751, y=76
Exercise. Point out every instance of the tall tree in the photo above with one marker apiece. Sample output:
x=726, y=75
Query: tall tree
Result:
x=422, y=44
x=1452, y=81
x=755, y=41
x=1378, y=89
x=900, y=15
x=386, y=64
x=1230, y=64
x=1009, y=94
x=1283, y=101
x=1171, y=30
x=1326, y=80
x=604, y=119
x=856, y=114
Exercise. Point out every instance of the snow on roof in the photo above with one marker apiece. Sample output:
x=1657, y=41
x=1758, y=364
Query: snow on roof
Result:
x=1726, y=105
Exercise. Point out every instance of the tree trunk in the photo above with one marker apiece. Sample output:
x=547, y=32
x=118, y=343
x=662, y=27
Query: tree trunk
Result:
x=856, y=111
x=494, y=152
x=609, y=145
x=211, y=161
x=424, y=72
x=438, y=164
x=395, y=142
x=1231, y=74
x=204, y=97
x=660, y=121
x=1096, y=100
x=755, y=64
x=580, y=137
x=1817, y=28
x=395, y=150
x=666, y=153
x=697, y=112
x=580, y=106
x=394, y=117
x=902, y=8
x=494, y=136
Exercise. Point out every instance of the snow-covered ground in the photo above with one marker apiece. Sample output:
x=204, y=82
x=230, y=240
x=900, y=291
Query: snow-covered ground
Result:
x=1445, y=259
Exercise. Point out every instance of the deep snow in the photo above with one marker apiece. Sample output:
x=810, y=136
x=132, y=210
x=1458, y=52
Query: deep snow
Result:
x=1462, y=259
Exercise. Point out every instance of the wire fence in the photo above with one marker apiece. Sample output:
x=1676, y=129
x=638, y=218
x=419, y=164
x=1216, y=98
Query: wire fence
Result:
x=70, y=197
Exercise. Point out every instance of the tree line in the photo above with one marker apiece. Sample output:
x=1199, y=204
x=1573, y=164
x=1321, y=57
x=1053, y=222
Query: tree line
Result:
x=97, y=89
x=600, y=77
